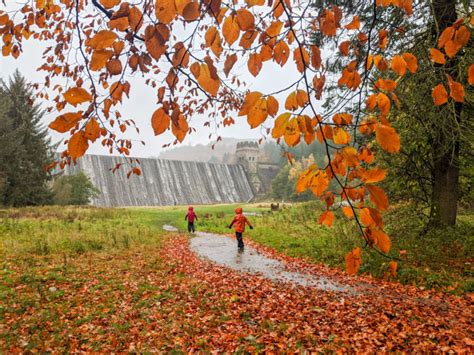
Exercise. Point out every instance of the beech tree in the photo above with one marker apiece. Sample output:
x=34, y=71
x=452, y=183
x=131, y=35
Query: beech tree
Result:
x=188, y=50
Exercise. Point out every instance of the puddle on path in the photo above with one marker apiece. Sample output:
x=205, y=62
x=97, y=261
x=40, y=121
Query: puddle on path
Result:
x=223, y=250
x=169, y=228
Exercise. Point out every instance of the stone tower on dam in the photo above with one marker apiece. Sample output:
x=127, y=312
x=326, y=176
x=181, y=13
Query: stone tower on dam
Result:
x=259, y=171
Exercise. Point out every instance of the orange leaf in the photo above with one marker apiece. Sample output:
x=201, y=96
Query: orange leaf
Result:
x=378, y=197
x=327, y=218
x=92, y=130
x=179, y=127
x=354, y=24
x=440, y=95
x=100, y=58
x=348, y=212
x=229, y=63
x=353, y=261
x=382, y=241
x=393, y=266
x=292, y=133
x=301, y=58
x=399, y=65
x=102, y=39
x=318, y=183
x=281, y=52
x=344, y=47
x=245, y=19
x=191, y=11
x=230, y=30
x=66, y=121
x=249, y=100
x=165, y=10
x=373, y=175
x=135, y=18
x=372, y=102
x=109, y=3
x=315, y=57
x=291, y=102
x=446, y=36
x=258, y=113
x=437, y=56
x=208, y=81
x=254, y=64
x=272, y=106
x=470, y=75
x=387, y=138
x=462, y=36
x=412, y=62
x=301, y=98
x=160, y=121
x=77, y=145
x=451, y=48
x=76, y=96
x=456, y=91
x=120, y=23
x=279, y=127
x=383, y=103
x=341, y=136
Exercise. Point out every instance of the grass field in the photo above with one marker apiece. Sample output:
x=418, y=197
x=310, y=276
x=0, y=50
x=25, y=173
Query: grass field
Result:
x=94, y=279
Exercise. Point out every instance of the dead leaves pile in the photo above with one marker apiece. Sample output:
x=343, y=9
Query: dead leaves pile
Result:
x=168, y=299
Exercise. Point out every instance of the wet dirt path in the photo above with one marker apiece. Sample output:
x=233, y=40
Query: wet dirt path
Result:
x=223, y=251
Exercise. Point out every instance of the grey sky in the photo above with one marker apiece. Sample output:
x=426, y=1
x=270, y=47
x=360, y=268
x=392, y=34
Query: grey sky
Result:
x=142, y=102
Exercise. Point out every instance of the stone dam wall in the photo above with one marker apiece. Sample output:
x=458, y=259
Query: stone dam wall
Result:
x=164, y=182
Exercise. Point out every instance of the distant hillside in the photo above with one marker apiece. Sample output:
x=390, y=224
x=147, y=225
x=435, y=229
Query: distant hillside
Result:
x=223, y=151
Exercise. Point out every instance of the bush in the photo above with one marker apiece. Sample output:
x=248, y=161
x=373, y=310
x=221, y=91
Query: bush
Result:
x=74, y=190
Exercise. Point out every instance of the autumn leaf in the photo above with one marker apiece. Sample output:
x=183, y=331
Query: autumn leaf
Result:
x=341, y=136
x=387, y=138
x=437, y=56
x=281, y=53
x=411, y=61
x=254, y=64
x=399, y=65
x=354, y=24
x=160, y=121
x=353, y=261
x=100, y=58
x=102, y=40
x=272, y=105
x=66, y=121
x=440, y=95
x=456, y=90
x=109, y=3
x=446, y=36
x=393, y=266
x=258, y=113
x=165, y=10
x=383, y=103
x=378, y=197
x=245, y=19
x=208, y=81
x=373, y=175
x=279, y=127
x=348, y=212
x=230, y=30
x=327, y=218
x=92, y=130
x=76, y=96
x=382, y=240
x=229, y=63
x=77, y=145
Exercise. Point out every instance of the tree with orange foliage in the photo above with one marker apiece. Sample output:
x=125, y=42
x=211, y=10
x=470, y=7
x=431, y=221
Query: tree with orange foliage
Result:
x=187, y=50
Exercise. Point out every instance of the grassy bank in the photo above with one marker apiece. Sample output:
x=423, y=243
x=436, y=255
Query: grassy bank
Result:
x=440, y=259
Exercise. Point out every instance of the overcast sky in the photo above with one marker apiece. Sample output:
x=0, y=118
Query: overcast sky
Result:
x=142, y=102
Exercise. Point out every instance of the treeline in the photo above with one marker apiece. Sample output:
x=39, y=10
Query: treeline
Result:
x=25, y=151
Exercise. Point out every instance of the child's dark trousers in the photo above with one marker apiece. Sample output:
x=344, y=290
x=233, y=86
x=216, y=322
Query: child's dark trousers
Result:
x=240, y=241
x=191, y=227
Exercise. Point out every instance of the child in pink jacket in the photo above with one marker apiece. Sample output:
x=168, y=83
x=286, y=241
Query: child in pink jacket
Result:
x=191, y=217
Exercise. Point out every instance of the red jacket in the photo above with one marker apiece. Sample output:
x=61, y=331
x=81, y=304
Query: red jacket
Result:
x=190, y=216
x=239, y=221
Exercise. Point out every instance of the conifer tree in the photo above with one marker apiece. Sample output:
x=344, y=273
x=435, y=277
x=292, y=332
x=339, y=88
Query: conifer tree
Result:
x=25, y=146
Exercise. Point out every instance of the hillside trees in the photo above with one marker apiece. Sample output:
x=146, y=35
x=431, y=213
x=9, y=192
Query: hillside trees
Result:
x=25, y=146
x=187, y=52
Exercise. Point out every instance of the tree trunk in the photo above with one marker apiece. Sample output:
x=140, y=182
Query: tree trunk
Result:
x=444, y=202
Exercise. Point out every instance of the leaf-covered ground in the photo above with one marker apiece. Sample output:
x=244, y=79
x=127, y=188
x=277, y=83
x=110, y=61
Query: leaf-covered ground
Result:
x=162, y=298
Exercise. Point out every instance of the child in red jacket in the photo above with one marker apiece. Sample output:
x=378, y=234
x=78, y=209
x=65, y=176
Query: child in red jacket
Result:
x=191, y=217
x=239, y=223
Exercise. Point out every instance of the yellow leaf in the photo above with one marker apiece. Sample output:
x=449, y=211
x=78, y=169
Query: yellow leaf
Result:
x=341, y=136
x=280, y=125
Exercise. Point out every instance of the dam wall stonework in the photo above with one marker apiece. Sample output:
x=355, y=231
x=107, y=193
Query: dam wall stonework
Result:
x=164, y=182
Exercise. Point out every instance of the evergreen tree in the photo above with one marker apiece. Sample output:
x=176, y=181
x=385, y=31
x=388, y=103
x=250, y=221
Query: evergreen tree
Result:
x=25, y=146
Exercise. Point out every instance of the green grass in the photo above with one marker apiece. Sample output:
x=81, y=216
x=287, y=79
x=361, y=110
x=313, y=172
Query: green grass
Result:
x=440, y=259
